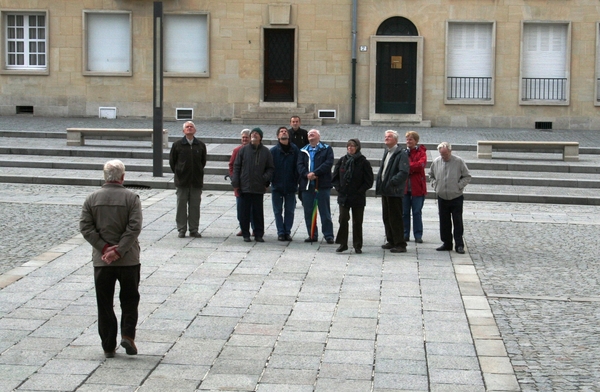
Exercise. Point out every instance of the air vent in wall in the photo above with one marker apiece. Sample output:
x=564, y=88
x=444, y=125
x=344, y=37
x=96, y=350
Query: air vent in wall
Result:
x=184, y=113
x=330, y=113
x=543, y=125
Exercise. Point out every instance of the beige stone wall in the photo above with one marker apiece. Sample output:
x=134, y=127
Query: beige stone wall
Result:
x=323, y=63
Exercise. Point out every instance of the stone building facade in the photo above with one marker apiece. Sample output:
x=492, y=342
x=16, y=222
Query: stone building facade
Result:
x=471, y=63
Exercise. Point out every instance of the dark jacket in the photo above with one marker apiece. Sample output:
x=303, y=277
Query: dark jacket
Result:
x=252, y=169
x=352, y=192
x=112, y=216
x=299, y=137
x=187, y=163
x=285, y=176
x=322, y=167
x=392, y=185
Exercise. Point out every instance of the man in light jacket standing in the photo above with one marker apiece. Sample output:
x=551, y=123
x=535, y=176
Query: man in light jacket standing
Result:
x=449, y=176
x=390, y=184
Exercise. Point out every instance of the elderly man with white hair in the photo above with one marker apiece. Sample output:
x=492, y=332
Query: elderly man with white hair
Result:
x=449, y=176
x=187, y=160
x=391, y=181
x=315, y=162
x=111, y=221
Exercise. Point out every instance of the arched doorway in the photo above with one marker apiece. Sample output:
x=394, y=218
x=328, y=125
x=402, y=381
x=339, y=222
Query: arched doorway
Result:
x=396, y=73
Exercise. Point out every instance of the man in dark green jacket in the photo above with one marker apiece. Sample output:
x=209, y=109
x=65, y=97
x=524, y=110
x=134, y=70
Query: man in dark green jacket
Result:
x=187, y=161
x=391, y=181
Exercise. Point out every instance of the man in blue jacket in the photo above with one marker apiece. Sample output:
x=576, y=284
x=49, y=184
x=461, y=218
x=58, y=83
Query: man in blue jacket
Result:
x=314, y=167
x=391, y=181
x=284, y=184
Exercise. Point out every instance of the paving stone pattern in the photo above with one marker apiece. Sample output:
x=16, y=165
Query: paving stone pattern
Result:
x=539, y=267
x=36, y=218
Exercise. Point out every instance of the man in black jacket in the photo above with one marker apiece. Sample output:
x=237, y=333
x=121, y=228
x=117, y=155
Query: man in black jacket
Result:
x=391, y=180
x=298, y=136
x=252, y=172
x=187, y=160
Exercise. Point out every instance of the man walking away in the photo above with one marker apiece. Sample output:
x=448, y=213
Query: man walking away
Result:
x=111, y=221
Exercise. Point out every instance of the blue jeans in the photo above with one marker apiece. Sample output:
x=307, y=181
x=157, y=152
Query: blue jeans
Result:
x=284, y=223
x=414, y=203
x=308, y=199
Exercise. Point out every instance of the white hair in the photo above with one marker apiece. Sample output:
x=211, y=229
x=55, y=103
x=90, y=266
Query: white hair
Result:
x=189, y=122
x=394, y=133
x=444, y=145
x=113, y=170
x=245, y=131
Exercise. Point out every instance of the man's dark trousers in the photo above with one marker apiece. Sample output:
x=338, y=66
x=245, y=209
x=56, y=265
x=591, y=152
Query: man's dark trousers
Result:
x=251, y=204
x=451, y=211
x=129, y=296
x=392, y=220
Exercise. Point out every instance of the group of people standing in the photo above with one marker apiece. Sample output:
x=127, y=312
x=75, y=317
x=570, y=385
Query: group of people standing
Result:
x=111, y=217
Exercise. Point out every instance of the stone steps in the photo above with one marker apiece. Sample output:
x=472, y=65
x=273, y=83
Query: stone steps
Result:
x=46, y=159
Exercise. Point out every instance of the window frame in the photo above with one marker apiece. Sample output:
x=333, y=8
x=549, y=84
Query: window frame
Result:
x=597, y=68
x=175, y=74
x=5, y=69
x=85, y=49
x=568, y=56
x=470, y=101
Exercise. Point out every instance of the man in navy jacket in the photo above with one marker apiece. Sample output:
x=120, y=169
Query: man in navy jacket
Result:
x=284, y=183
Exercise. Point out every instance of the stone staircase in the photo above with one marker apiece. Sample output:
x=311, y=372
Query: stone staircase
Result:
x=276, y=115
x=44, y=158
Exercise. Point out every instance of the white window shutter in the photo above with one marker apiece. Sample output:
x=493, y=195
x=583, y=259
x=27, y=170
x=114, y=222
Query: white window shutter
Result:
x=108, y=42
x=545, y=50
x=186, y=43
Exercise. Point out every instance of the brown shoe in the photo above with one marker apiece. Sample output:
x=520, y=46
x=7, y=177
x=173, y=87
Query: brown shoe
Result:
x=129, y=345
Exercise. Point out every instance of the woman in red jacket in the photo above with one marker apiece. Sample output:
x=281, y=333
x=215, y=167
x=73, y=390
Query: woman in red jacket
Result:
x=416, y=187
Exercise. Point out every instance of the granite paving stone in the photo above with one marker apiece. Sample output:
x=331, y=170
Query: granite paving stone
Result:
x=207, y=303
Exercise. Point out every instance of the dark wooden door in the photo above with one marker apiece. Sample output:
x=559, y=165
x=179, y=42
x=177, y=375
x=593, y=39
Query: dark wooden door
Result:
x=279, y=65
x=396, y=77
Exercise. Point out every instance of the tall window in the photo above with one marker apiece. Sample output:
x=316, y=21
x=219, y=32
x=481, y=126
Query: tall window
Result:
x=545, y=53
x=107, y=43
x=186, y=45
x=469, y=62
x=25, y=36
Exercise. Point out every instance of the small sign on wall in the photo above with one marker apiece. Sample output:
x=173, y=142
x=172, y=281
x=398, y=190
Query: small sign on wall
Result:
x=396, y=62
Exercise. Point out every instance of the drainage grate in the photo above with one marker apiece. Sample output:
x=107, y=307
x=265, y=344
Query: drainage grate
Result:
x=136, y=186
x=543, y=125
x=24, y=109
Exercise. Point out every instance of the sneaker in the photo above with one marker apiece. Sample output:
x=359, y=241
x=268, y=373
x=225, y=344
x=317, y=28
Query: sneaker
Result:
x=129, y=345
